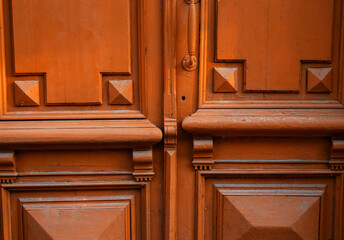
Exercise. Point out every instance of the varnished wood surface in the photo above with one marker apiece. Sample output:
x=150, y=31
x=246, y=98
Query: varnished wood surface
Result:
x=104, y=134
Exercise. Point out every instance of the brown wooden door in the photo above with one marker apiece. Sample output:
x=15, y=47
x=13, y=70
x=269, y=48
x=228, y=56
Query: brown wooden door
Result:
x=174, y=119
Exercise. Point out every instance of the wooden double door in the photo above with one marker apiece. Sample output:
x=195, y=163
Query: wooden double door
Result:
x=171, y=119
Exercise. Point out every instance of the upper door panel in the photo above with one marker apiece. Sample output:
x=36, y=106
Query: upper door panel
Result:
x=73, y=43
x=74, y=59
x=273, y=37
x=265, y=51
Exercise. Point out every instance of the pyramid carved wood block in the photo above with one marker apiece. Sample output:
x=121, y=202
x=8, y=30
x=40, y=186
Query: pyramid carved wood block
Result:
x=26, y=93
x=225, y=79
x=319, y=80
x=121, y=92
x=300, y=223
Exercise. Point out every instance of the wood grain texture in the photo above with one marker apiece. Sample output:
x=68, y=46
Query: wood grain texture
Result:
x=170, y=119
x=284, y=37
x=266, y=122
x=102, y=45
x=87, y=132
x=134, y=21
x=274, y=38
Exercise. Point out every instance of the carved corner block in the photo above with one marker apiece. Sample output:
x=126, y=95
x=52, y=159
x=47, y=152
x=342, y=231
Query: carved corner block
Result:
x=337, y=154
x=26, y=93
x=203, y=153
x=225, y=79
x=8, y=171
x=170, y=132
x=143, y=164
x=319, y=80
x=121, y=92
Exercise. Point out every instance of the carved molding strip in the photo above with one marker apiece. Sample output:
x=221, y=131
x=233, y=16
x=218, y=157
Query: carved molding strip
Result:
x=337, y=154
x=265, y=122
x=203, y=153
x=143, y=164
x=7, y=167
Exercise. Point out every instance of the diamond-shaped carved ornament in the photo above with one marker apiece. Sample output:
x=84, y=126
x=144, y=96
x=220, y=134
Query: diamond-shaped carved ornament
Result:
x=225, y=79
x=120, y=92
x=26, y=93
x=319, y=80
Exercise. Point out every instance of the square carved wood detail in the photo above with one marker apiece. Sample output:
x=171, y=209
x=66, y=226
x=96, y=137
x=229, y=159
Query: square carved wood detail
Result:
x=319, y=80
x=121, y=92
x=225, y=79
x=26, y=93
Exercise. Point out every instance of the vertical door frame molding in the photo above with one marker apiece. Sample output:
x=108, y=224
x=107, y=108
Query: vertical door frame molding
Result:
x=170, y=119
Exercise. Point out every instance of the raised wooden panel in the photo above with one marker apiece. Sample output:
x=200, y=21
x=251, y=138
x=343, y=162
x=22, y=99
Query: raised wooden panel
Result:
x=72, y=54
x=278, y=203
x=78, y=219
x=272, y=44
x=77, y=210
x=268, y=214
x=73, y=43
x=273, y=38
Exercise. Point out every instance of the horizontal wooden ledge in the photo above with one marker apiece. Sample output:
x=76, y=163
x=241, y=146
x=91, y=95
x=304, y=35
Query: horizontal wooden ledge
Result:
x=90, y=133
x=265, y=122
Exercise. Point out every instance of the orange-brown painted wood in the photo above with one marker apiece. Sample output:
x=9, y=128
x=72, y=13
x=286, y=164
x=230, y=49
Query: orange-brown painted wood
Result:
x=174, y=119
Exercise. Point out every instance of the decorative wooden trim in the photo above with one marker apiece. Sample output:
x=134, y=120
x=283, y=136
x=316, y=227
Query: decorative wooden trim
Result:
x=270, y=104
x=143, y=164
x=170, y=116
x=170, y=170
x=7, y=167
x=3, y=88
x=265, y=122
x=337, y=154
x=341, y=59
x=200, y=196
x=170, y=132
x=170, y=194
x=7, y=189
x=291, y=190
x=203, y=153
x=61, y=134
